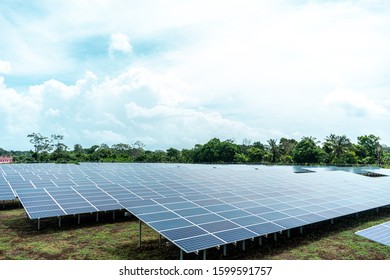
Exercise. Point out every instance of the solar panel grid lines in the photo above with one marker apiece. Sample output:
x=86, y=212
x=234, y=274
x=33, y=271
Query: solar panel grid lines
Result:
x=379, y=233
x=274, y=197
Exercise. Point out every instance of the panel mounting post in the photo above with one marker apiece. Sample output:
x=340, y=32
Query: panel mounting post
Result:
x=331, y=221
x=181, y=255
x=204, y=254
x=159, y=239
x=243, y=245
x=377, y=210
x=59, y=221
x=139, y=232
x=275, y=236
x=97, y=216
x=300, y=230
x=78, y=219
x=288, y=233
x=224, y=250
x=39, y=224
x=113, y=215
x=260, y=240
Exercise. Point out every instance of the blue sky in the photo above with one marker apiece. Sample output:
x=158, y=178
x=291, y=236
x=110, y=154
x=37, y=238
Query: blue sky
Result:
x=177, y=73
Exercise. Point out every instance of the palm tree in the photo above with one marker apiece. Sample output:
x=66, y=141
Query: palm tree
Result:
x=274, y=149
x=337, y=146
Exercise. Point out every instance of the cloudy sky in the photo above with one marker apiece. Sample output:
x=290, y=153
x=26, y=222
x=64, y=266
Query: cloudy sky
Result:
x=176, y=73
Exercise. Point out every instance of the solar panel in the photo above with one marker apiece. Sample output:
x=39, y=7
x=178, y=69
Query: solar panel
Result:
x=228, y=203
x=379, y=233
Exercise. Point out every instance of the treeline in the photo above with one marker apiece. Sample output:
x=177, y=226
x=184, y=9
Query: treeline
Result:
x=334, y=150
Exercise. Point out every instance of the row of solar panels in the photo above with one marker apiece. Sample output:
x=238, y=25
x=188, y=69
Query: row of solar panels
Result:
x=379, y=233
x=198, y=208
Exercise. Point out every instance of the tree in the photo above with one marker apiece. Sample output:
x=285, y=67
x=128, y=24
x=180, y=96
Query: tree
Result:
x=216, y=151
x=307, y=151
x=337, y=147
x=274, y=149
x=371, y=150
x=286, y=146
x=41, y=143
x=173, y=155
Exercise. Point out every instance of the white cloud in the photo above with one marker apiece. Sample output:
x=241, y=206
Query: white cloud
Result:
x=104, y=136
x=119, y=42
x=5, y=67
x=52, y=112
x=254, y=69
x=355, y=104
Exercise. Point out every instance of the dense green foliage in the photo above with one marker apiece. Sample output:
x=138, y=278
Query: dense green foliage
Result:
x=335, y=150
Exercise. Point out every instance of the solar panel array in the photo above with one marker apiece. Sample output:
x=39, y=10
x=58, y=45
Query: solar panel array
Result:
x=379, y=233
x=198, y=206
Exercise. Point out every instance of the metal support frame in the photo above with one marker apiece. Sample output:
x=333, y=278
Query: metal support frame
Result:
x=97, y=216
x=331, y=221
x=39, y=224
x=224, y=250
x=159, y=239
x=243, y=245
x=59, y=221
x=301, y=230
x=139, y=233
x=288, y=233
x=181, y=255
x=260, y=240
x=204, y=255
x=377, y=210
x=275, y=236
x=78, y=219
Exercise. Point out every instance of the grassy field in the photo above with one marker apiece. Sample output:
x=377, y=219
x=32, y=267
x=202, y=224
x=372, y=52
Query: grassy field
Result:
x=113, y=240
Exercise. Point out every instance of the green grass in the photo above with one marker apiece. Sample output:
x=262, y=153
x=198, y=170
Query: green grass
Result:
x=118, y=240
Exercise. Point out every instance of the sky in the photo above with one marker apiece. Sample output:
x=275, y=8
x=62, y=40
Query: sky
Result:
x=177, y=73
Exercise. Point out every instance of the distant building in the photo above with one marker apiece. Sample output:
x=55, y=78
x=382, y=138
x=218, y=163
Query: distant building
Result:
x=6, y=159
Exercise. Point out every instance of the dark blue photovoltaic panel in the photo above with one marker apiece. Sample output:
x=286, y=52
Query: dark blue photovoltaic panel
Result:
x=199, y=243
x=245, y=204
x=146, y=209
x=205, y=218
x=311, y=218
x=184, y=232
x=290, y=222
x=236, y=234
x=218, y=226
x=170, y=224
x=379, y=233
x=220, y=207
x=169, y=200
x=138, y=203
x=295, y=212
x=265, y=228
x=345, y=210
x=46, y=214
x=330, y=214
x=192, y=212
x=209, y=202
x=5, y=191
x=158, y=216
x=272, y=216
x=180, y=205
x=250, y=220
x=259, y=210
x=195, y=195
x=234, y=214
x=107, y=207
